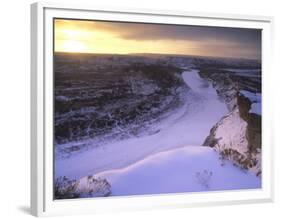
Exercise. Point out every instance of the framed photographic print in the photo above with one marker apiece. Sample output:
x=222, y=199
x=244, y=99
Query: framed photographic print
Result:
x=135, y=109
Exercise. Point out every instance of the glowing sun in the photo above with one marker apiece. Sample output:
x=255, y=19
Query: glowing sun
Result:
x=73, y=46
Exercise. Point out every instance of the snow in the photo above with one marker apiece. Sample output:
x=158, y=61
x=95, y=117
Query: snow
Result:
x=166, y=161
x=188, y=125
x=62, y=98
x=188, y=169
x=231, y=132
x=255, y=98
x=199, y=85
x=256, y=108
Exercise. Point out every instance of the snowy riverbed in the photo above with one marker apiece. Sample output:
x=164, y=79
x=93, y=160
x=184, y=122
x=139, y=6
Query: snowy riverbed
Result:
x=166, y=161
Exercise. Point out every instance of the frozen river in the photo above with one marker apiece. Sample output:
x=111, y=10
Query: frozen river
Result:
x=188, y=125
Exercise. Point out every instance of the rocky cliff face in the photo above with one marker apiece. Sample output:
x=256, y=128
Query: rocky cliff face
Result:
x=237, y=139
x=253, y=120
x=237, y=136
x=228, y=83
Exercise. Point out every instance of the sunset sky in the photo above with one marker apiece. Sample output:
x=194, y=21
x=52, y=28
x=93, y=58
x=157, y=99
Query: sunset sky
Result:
x=125, y=38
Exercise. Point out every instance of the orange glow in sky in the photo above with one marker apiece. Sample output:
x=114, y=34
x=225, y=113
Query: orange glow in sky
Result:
x=125, y=38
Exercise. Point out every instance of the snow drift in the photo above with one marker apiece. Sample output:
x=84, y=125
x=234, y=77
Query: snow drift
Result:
x=187, y=169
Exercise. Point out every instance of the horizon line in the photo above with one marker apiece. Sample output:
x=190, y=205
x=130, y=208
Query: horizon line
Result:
x=159, y=54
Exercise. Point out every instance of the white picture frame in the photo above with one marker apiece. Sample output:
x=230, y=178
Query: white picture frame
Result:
x=42, y=203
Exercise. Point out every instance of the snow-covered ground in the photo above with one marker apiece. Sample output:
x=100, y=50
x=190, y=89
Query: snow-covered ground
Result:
x=188, y=125
x=165, y=161
x=231, y=133
x=187, y=169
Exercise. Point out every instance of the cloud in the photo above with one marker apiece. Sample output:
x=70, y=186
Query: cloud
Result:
x=239, y=40
x=142, y=31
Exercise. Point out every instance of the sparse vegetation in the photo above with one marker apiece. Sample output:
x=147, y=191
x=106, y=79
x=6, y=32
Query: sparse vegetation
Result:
x=65, y=188
x=204, y=178
x=69, y=189
x=105, y=96
x=244, y=162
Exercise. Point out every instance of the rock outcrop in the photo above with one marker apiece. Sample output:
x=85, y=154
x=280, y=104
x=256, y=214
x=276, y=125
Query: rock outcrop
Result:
x=237, y=136
x=253, y=120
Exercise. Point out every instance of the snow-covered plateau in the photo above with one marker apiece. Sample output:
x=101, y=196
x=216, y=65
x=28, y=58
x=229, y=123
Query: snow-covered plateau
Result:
x=153, y=144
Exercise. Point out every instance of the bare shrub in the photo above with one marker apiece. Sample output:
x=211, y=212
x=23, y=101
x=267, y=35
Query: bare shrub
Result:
x=95, y=187
x=65, y=188
x=238, y=159
x=85, y=187
x=204, y=178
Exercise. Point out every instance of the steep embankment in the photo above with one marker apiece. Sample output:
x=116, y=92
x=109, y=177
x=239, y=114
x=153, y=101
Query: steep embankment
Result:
x=237, y=136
